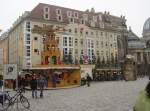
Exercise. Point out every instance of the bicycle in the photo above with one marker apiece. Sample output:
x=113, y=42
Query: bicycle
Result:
x=8, y=101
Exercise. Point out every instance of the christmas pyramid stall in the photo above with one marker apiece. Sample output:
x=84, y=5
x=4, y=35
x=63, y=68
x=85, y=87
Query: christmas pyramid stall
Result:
x=58, y=73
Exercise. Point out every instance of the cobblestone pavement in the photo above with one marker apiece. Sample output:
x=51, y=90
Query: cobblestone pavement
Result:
x=101, y=96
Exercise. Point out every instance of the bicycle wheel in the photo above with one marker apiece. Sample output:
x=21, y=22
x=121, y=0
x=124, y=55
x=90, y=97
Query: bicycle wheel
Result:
x=4, y=106
x=24, y=101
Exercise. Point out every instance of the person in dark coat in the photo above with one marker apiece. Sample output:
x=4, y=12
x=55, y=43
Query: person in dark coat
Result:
x=1, y=83
x=41, y=83
x=23, y=83
x=33, y=84
x=88, y=79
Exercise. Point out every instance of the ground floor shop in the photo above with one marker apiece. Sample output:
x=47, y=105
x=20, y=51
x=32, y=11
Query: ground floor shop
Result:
x=107, y=74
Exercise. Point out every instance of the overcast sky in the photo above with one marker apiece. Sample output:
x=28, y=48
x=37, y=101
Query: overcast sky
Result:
x=135, y=11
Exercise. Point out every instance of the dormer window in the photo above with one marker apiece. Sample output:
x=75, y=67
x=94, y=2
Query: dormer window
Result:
x=46, y=9
x=71, y=20
x=85, y=17
x=59, y=18
x=46, y=13
x=69, y=13
x=82, y=21
x=75, y=14
x=58, y=11
x=95, y=18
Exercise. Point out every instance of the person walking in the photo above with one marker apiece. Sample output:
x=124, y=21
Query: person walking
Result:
x=23, y=84
x=33, y=84
x=41, y=83
x=88, y=79
x=1, y=83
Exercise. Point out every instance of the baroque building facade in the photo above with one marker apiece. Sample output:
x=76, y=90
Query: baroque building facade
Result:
x=139, y=48
x=85, y=35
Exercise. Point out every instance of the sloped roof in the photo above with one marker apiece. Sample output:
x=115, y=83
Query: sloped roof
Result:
x=37, y=13
x=132, y=36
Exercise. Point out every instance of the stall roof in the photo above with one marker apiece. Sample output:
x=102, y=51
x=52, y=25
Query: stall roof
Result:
x=107, y=69
x=65, y=67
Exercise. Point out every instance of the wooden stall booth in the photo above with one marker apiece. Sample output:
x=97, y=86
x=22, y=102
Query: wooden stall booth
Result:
x=59, y=77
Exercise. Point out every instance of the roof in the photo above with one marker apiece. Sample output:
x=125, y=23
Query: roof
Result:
x=146, y=27
x=37, y=13
x=132, y=36
x=134, y=41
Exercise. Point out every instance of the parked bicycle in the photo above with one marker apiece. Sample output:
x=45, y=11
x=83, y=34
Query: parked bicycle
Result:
x=6, y=100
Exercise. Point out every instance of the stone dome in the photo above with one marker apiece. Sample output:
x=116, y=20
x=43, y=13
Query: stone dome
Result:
x=146, y=28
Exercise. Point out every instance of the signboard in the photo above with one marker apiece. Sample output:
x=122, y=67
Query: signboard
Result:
x=10, y=71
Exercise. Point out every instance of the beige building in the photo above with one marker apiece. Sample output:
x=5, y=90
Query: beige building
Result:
x=3, y=51
x=85, y=35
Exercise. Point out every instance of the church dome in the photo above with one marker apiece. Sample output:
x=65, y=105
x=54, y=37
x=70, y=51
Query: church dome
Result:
x=146, y=28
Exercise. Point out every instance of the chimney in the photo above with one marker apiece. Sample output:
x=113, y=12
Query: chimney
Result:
x=92, y=10
x=130, y=29
x=123, y=17
x=87, y=10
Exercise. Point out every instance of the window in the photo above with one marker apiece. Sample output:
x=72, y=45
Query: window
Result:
x=76, y=14
x=46, y=13
x=97, y=53
x=69, y=13
x=95, y=18
x=71, y=20
x=82, y=21
x=28, y=27
x=27, y=36
x=28, y=54
x=46, y=16
x=101, y=43
x=81, y=41
x=64, y=41
x=91, y=33
x=59, y=18
x=101, y=33
x=27, y=42
x=82, y=52
x=76, y=51
x=97, y=44
x=106, y=44
x=70, y=41
x=65, y=50
x=76, y=42
x=58, y=11
x=46, y=9
x=70, y=51
x=101, y=24
x=75, y=30
x=89, y=44
x=86, y=32
x=111, y=36
x=28, y=47
x=92, y=44
x=85, y=17
x=69, y=30
x=35, y=38
x=28, y=51
x=35, y=50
